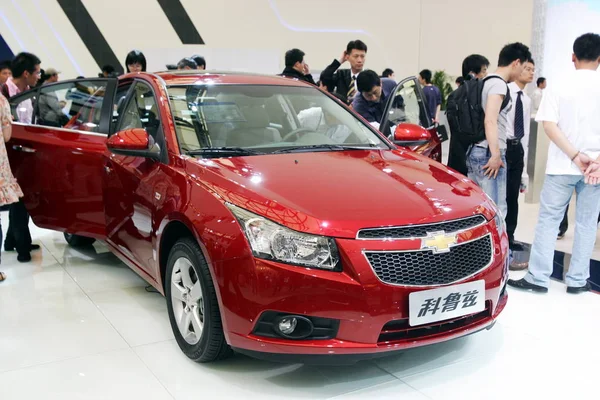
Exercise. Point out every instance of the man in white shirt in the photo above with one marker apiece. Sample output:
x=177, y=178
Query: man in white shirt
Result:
x=26, y=74
x=569, y=112
x=517, y=140
x=538, y=94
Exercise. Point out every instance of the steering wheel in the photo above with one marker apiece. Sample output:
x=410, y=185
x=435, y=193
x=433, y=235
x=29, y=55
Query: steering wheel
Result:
x=296, y=132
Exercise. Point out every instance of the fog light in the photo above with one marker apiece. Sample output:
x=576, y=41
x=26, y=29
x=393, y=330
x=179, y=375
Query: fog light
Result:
x=295, y=327
x=287, y=325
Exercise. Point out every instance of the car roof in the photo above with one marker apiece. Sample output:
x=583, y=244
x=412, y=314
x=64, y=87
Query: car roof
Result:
x=187, y=77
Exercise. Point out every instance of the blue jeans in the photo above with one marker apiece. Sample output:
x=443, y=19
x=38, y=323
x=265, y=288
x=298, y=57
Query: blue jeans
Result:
x=495, y=188
x=556, y=194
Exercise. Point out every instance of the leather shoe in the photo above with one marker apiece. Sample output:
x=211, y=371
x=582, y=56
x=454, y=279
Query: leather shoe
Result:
x=516, y=246
x=518, y=266
x=524, y=285
x=24, y=258
x=577, y=290
x=33, y=247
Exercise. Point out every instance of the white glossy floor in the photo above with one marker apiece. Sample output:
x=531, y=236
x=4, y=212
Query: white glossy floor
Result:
x=79, y=325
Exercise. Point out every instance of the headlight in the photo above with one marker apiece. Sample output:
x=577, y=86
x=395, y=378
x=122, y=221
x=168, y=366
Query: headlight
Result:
x=500, y=223
x=271, y=241
x=498, y=218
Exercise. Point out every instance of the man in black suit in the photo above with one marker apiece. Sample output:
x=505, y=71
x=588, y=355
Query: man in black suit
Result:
x=295, y=67
x=343, y=81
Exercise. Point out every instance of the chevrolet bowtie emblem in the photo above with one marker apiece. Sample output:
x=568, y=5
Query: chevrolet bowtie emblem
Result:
x=439, y=242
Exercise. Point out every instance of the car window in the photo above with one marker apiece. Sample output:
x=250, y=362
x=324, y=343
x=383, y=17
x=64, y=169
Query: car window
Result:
x=407, y=106
x=119, y=103
x=21, y=108
x=141, y=111
x=263, y=117
x=71, y=105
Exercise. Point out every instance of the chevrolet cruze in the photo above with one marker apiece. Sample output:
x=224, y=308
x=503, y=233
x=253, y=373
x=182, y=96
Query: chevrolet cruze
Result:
x=276, y=222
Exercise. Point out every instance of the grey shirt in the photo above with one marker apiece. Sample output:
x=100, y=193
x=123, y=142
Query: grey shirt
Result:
x=496, y=86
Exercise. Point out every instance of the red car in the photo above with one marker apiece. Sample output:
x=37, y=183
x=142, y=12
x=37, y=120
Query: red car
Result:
x=276, y=222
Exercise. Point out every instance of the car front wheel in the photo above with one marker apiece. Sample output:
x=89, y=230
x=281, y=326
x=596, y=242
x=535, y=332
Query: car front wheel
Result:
x=78, y=241
x=192, y=302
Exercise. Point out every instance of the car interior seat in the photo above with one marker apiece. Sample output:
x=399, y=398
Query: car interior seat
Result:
x=255, y=130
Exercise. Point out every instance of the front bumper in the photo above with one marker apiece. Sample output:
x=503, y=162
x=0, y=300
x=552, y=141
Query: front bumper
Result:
x=372, y=315
x=351, y=357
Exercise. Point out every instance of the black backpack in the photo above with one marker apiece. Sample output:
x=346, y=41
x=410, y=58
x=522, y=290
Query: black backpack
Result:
x=465, y=112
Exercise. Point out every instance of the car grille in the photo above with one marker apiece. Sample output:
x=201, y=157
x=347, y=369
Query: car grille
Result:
x=424, y=268
x=420, y=231
x=400, y=330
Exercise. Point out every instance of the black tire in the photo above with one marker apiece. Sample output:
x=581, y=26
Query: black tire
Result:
x=212, y=345
x=79, y=241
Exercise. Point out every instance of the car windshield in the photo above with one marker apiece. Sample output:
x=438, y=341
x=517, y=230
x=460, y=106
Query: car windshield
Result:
x=258, y=119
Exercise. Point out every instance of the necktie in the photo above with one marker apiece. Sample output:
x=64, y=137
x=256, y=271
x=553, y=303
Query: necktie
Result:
x=351, y=89
x=519, y=122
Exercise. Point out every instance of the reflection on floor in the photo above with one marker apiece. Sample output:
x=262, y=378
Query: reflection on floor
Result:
x=78, y=324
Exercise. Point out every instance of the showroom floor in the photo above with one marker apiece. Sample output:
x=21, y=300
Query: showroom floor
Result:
x=80, y=325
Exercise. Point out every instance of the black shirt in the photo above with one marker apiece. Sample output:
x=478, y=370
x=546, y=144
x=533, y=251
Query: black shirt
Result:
x=290, y=72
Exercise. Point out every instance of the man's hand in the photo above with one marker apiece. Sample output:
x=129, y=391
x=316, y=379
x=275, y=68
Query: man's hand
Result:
x=344, y=57
x=524, y=184
x=306, y=69
x=582, y=161
x=592, y=173
x=493, y=166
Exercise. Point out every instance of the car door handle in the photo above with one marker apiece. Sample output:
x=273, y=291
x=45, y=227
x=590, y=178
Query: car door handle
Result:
x=18, y=147
x=107, y=169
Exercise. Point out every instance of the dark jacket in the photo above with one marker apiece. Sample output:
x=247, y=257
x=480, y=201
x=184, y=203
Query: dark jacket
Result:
x=290, y=72
x=337, y=80
x=373, y=111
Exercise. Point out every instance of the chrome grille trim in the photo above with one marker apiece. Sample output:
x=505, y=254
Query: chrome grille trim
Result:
x=471, y=222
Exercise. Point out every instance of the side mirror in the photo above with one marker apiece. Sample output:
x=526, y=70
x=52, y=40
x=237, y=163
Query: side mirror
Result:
x=411, y=135
x=134, y=142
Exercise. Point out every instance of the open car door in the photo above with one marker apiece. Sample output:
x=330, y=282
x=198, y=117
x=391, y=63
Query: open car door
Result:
x=406, y=109
x=56, y=153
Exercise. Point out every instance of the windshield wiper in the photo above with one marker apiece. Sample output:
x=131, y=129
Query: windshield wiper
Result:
x=333, y=147
x=224, y=152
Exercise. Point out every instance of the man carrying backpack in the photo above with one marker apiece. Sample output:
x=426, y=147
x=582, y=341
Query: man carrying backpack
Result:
x=474, y=67
x=480, y=110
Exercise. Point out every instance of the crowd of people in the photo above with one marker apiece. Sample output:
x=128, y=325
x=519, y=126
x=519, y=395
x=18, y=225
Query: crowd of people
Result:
x=22, y=73
x=488, y=116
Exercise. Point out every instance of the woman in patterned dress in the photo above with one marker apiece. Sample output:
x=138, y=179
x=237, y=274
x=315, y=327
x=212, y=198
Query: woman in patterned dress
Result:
x=10, y=191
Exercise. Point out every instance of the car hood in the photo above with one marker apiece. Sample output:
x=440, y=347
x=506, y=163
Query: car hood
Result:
x=338, y=193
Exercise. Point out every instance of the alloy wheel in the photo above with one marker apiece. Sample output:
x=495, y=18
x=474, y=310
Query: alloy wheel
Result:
x=187, y=300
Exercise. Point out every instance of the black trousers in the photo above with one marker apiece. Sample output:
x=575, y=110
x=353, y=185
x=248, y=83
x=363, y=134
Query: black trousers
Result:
x=514, y=169
x=564, y=225
x=18, y=235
